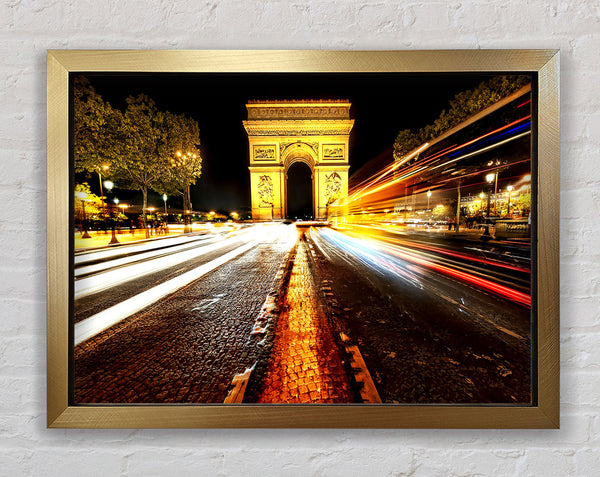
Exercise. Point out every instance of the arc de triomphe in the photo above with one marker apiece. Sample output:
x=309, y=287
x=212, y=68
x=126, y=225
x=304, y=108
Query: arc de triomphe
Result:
x=281, y=133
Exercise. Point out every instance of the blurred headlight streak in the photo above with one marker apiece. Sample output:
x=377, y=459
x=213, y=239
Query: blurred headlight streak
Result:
x=385, y=258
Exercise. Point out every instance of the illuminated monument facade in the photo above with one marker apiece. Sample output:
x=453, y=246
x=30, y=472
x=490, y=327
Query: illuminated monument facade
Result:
x=281, y=133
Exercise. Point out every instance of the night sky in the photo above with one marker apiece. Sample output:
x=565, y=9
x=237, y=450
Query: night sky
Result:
x=382, y=105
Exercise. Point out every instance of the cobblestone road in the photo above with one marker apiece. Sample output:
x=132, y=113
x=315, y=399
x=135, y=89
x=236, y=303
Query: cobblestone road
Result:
x=305, y=365
x=414, y=355
x=187, y=347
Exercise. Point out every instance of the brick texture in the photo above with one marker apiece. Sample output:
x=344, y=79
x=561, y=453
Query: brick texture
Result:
x=29, y=28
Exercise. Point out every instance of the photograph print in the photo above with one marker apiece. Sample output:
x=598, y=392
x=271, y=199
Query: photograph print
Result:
x=302, y=238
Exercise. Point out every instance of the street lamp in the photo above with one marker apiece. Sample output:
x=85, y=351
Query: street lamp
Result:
x=509, y=189
x=165, y=201
x=428, y=197
x=486, y=233
x=113, y=239
x=83, y=196
x=104, y=167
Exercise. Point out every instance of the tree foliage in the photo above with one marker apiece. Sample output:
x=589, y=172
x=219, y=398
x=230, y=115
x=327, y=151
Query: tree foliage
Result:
x=145, y=148
x=139, y=137
x=182, y=151
x=94, y=121
x=464, y=105
x=93, y=203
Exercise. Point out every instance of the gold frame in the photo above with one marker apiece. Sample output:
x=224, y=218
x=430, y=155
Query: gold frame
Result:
x=543, y=415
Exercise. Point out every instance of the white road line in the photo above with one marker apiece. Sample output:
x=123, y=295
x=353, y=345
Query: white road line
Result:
x=84, y=257
x=102, y=281
x=105, y=319
x=98, y=267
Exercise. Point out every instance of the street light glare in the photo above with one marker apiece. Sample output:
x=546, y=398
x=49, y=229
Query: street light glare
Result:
x=109, y=184
x=429, y=193
x=490, y=177
x=82, y=195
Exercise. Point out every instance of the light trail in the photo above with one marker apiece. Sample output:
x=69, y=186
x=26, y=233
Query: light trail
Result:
x=93, y=256
x=442, y=251
x=380, y=181
x=480, y=151
x=93, y=325
x=107, y=279
x=260, y=233
x=139, y=257
x=378, y=256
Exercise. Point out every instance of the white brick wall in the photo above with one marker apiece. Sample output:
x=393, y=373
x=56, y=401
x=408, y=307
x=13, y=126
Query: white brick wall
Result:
x=30, y=27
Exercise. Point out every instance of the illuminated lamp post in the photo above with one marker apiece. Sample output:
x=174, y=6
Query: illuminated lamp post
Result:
x=428, y=214
x=116, y=201
x=83, y=196
x=113, y=239
x=165, y=201
x=509, y=189
x=103, y=168
x=486, y=234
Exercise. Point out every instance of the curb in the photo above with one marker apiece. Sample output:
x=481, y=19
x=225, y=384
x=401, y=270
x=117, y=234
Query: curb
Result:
x=245, y=386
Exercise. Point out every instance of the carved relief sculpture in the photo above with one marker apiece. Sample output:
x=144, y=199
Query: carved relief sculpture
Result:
x=333, y=187
x=265, y=191
x=333, y=152
x=265, y=153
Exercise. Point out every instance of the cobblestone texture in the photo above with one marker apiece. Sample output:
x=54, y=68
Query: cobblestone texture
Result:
x=94, y=303
x=413, y=355
x=306, y=366
x=186, y=348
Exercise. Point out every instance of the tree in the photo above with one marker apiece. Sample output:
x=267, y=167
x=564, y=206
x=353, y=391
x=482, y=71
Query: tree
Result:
x=93, y=204
x=85, y=204
x=138, y=155
x=464, y=105
x=185, y=162
x=93, y=127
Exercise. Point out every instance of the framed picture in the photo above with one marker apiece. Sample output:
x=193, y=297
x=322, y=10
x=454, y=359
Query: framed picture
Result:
x=303, y=239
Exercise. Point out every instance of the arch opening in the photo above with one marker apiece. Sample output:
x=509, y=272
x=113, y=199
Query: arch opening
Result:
x=299, y=189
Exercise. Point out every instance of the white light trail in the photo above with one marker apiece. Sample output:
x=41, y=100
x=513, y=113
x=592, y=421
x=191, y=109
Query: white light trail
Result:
x=133, y=258
x=121, y=249
x=102, y=281
x=105, y=319
x=479, y=151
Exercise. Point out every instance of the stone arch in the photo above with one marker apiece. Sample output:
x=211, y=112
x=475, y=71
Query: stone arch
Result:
x=299, y=152
x=283, y=133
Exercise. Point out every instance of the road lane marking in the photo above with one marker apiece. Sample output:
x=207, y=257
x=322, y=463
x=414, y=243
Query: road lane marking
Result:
x=238, y=387
x=96, y=283
x=159, y=242
x=139, y=257
x=93, y=325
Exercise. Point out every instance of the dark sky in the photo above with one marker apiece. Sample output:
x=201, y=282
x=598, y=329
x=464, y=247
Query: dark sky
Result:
x=382, y=105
